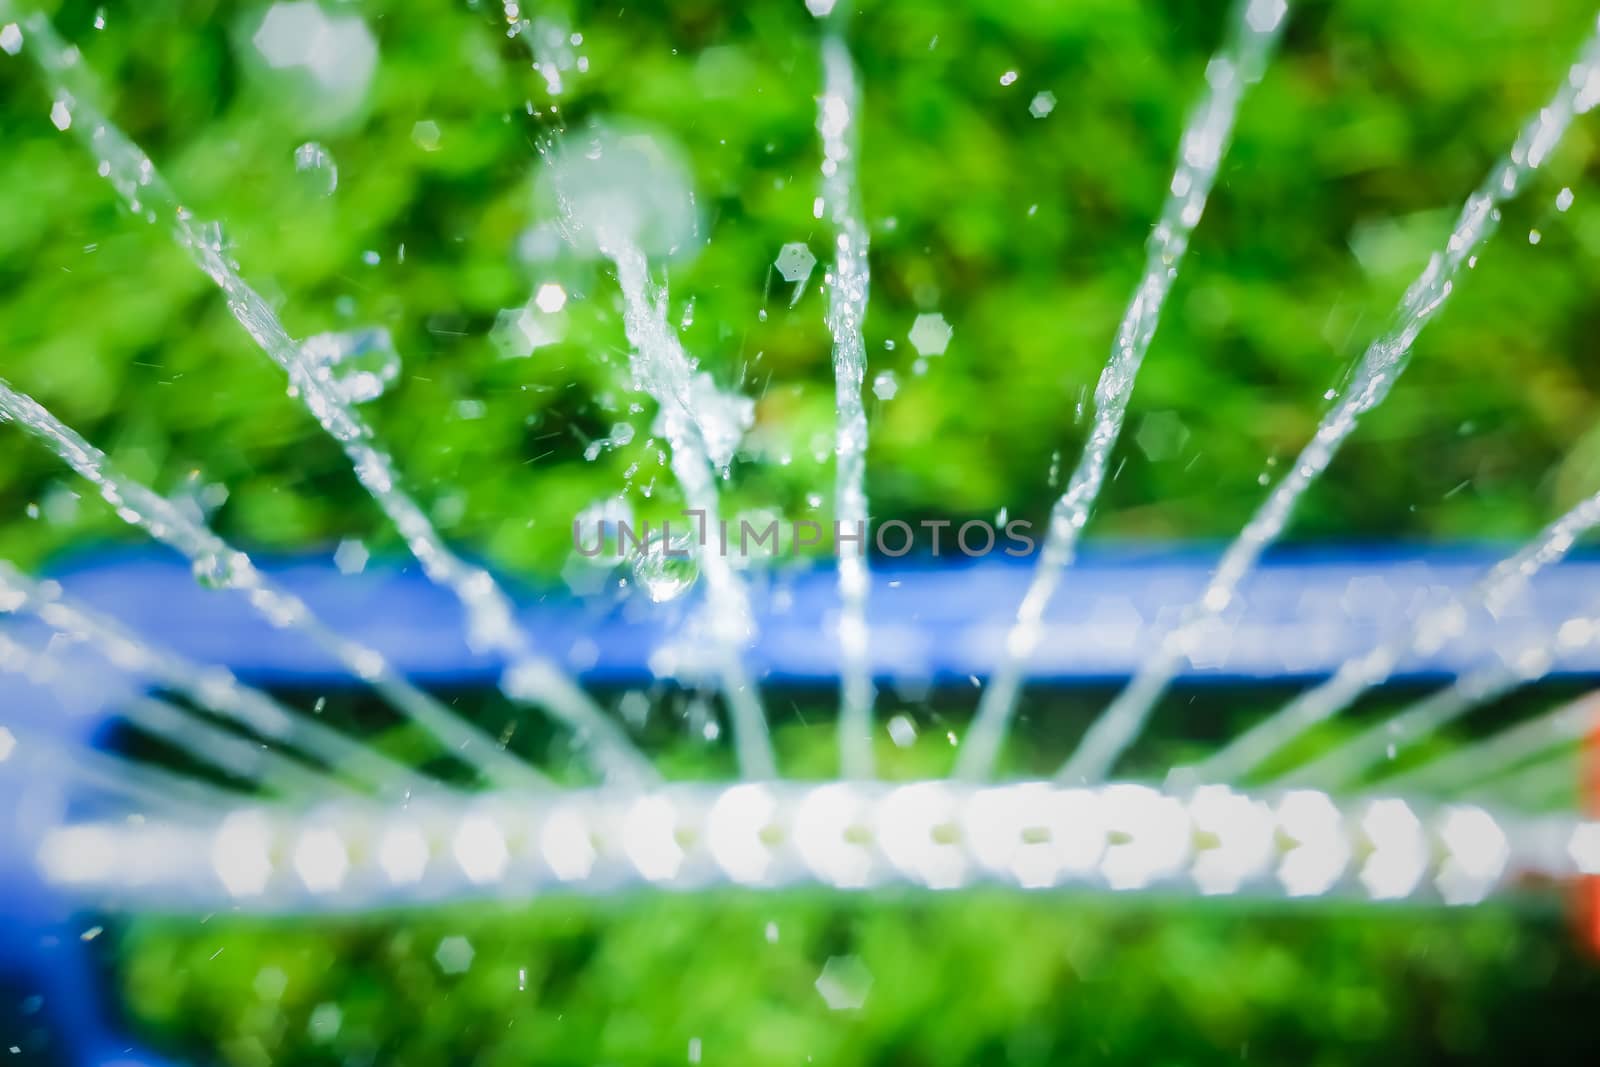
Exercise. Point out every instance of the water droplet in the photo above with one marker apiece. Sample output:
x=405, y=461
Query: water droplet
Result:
x=1008, y=77
x=454, y=955
x=10, y=38
x=314, y=162
x=621, y=434
x=1263, y=16
x=930, y=334
x=270, y=983
x=616, y=186
x=425, y=135
x=884, y=386
x=902, y=731
x=664, y=569
x=1042, y=104
x=337, y=51
x=350, y=557
x=518, y=332
x=323, y=1026
x=795, y=262
x=551, y=298
x=1564, y=199
x=359, y=364
x=552, y=47
x=634, y=708
x=219, y=570
x=844, y=983
x=60, y=505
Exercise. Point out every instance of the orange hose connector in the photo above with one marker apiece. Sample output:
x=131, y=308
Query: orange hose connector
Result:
x=1588, y=912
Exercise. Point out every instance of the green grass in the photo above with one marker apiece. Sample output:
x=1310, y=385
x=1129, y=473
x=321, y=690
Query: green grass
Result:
x=978, y=977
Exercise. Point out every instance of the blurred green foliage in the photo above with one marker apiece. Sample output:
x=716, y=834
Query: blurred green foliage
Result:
x=981, y=977
x=1348, y=165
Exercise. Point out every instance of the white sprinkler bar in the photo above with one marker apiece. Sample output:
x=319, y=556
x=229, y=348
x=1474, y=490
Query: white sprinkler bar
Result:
x=938, y=835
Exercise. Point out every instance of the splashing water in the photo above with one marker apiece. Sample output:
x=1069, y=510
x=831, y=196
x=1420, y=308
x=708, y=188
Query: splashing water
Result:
x=615, y=186
x=553, y=49
x=152, y=790
x=1494, y=592
x=625, y=200
x=1472, y=765
x=244, y=760
x=219, y=565
x=1422, y=719
x=1229, y=74
x=214, y=688
x=1510, y=669
x=1374, y=376
x=594, y=185
x=661, y=367
x=528, y=677
x=848, y=282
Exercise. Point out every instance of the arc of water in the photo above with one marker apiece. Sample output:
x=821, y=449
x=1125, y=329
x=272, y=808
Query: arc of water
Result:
x=518, y=26
x=848, y=285
x=223, y=565
x=64, y=759
x=1548, y=785
x=1237, y=66
x=1503, y=581
x=214, y=688
x=1423, y=719
x=666, y=373
x=154, y=789
x=1439, y=709
x=529, y=677
x=1481, y=761
x=239, y=757
x=1381, y=365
